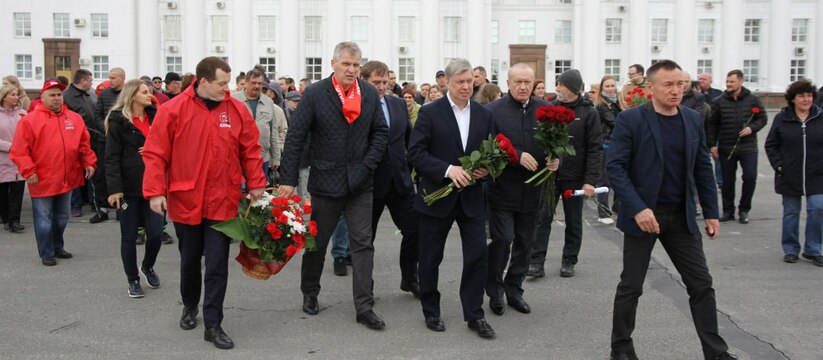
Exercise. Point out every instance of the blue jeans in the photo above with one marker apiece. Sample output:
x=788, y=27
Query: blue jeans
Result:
x=718, y=172
x=791, y=223
x=51, y=214
x=340, y=239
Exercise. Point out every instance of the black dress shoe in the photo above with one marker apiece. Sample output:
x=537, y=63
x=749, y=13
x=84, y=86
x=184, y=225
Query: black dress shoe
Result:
x=99, y=217
x=816, y=260
x=790, y=258
x=519, y=304
x=496, y=305
x=16, y=228
x=218, y=337
x=435, y=324
x=744, y=217
x=49, y=261
x=189, y=319
x=412, y=287
x=726, y=217
x=536, y=270
x=371, y=320
x=62, y=254
x=629, y=355
x=567, y=269
x=310, y=305
x=7, y=226
x=347, y=260
x=482, y=328
x=340, y=267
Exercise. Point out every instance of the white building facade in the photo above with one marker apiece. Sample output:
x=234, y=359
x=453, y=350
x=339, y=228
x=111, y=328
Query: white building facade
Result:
x=772, y=41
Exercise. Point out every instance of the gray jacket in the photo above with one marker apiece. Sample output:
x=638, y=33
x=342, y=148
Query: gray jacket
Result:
x=265, y=120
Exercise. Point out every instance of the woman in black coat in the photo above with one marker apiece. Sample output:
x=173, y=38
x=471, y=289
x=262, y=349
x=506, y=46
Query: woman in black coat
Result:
x=605, y=101
x=127, y=126
x=794, y=147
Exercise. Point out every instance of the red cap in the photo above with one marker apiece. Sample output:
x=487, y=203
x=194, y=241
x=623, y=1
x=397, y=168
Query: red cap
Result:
x=50, y=84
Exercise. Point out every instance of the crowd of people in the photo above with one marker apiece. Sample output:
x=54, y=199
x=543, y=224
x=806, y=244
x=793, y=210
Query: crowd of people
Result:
x=357, y=142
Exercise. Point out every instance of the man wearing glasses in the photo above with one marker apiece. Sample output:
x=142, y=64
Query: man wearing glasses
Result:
x=636, y=79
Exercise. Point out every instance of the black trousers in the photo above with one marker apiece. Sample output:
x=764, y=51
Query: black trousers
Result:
x=573, y=209
x=101, y=192
x=358, y=212
x=137, y=213
x=433, y=233
x=405, y=218
x=686, y=253
x=748, y=162
x=11, y=200
x=193, y=242
x=512, y=233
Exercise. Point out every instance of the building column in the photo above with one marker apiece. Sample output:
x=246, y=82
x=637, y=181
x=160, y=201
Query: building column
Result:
x=337, y=28
x=477, y=34
x=382, y=45
x=289, y=50
x=639, y=34
x=778, y=52
x=193, y=16
x=731, y=41
x=685, y=36
x=147, y=32
x=245, y=45
x=586, y=58
x=814, y=64
x=430, y=57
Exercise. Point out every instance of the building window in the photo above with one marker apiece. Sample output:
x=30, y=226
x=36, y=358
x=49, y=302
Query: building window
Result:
x=800, y=29
x=565, y=1
x=704, y=66
x=798, y=70
x=525, y=31
x=22, y=64
x=561, y=66
x=220, y=28
x=705, y=31
x=314, y=31
x=100, y=66
x=614, y=30
x=405, y=27
x=314, y=68
x=751, y=32
x=405, y=69
x=174, y=64
x=61, y=25
x=270, y=64
x=359, y=28
x=495, y=71
x=660, y=30
x=563, y=31
x=172, y=28
x=612, y=68
x=751, y=70
x=22, y=24
x=453, y=26
x=267, y=28
x=99, y=25
x=494, y=33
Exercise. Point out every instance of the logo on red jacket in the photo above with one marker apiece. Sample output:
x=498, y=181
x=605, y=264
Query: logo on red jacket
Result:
x=68, y=124
x=224, y=121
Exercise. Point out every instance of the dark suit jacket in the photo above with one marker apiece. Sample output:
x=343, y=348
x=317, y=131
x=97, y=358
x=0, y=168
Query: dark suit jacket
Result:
x=435, y=144
x=635, y=166
x=342, y=157
x=393, y=169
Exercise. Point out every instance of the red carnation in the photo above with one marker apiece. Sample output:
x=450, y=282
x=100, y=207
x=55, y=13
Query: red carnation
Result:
x=296, y=199
x=649, y=96
x=283, y=219
x=755, y=110
x=276, y=212
x=640, y=92
x=298, y=239
x=313, y=228
x=271, y=228
x=306, y=209
x=628, y=99
x=280, y=202
x=568, y=194
x=291, y=250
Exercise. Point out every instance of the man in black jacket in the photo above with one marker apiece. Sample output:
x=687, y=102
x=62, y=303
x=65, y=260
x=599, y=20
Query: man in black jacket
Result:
x=78, y=98
x=349, y=133
x=117, y=78
x=705, y=80
x=512, y=202
x=580, y=171
x=736, y=118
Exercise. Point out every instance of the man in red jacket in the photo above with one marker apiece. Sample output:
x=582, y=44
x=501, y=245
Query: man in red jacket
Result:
x=51, y=149
x=200, y=145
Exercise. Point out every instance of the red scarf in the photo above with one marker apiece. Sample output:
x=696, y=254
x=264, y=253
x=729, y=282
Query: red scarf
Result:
x=351, y=104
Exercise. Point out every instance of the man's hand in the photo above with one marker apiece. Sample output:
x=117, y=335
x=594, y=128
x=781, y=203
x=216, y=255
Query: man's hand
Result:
x=588, y=190
x=714, y=152
x=114, y=199
x=528, y=161
x=552, y=164
x=89, y=172
x=33, y=179
x=459, y=177
x=646, y=221
x=712, y=228
x=479, y=173
x=256, y=193
x=285, y=191
x=745, y=132
x=158, y=204
x=140, y=150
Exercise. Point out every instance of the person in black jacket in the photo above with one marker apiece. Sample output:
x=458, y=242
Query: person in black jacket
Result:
x=732, y=129
x=78, y=98
x=513, y=203
x=127, y=127
x=794, y=147
x=580, y=171
x=607, y=107
x=107, y=99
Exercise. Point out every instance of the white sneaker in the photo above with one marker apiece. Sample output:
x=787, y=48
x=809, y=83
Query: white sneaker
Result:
x=606, y=220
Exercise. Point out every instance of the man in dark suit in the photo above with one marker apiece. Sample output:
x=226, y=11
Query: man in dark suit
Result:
x=447, y=129
x=392, y=179
x=348, y=132
x=666, y=141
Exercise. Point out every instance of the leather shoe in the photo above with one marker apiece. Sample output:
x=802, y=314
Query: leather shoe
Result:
x=412, y=287
x=482, y=328
x=816, y=260
x=16, y=228
x=567, y=269
x=496, y=306
x=218, y=337
x=371, y=320
x=628, y=355
x=726, y=217
x=189, y=319
x=62, y=254
x=49, y=261
x=310, y=305
x=536, y=270
x=340, y=267
x=790, y=258
x=519, y=304
x=435, y=324
x=744, y=217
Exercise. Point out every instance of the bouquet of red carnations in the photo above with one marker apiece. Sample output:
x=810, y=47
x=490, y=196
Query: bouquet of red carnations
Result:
x=271, y=230
x=553, y=135
x=494, y=154
x=636, y=97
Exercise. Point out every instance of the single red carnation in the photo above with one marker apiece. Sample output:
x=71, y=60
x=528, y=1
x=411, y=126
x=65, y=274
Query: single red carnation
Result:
x=271, y=228
x=296, y=199
x=282, y=219
x=298, y=239
x=640, y=92
x=280, y=202
x=313, y=228
x=649, y=96
x=628, y=99
x=306, y=209
x=568, y=194
x=276, y=212
x=755, y=110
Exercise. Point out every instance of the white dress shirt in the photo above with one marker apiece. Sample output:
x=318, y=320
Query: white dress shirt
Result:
x=463, y=117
